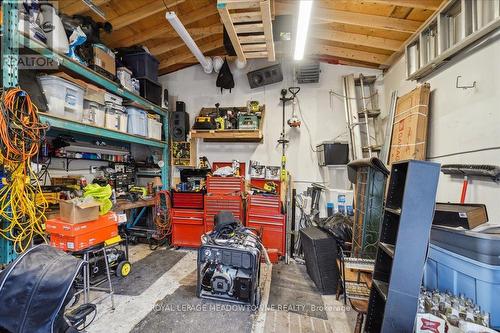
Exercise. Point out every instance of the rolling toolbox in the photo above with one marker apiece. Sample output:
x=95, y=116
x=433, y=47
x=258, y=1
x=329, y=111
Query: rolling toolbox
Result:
x=216, y=203
x=187, y=227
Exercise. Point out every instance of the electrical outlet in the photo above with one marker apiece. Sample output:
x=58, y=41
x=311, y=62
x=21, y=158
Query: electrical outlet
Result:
x=93, y=169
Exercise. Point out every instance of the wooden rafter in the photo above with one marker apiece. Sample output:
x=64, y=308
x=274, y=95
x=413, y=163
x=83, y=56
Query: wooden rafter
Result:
x=422, y=4
x=176, y=43
x=143, y=12
x=205, y=47
x=164, y=27
x=357, y=39
x=341, y=52
x=78, y=7
x=365, y=20
x=240, y=4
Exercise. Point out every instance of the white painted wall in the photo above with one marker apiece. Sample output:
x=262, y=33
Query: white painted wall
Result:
x=462, y=120
x=325, y=121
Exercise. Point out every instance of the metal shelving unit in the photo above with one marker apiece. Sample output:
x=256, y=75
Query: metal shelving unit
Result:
x=12, y=40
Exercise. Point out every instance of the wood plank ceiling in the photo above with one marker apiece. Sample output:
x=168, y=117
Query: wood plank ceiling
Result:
x=368, y=33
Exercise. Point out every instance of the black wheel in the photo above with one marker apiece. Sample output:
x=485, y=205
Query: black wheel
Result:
x=123, y=269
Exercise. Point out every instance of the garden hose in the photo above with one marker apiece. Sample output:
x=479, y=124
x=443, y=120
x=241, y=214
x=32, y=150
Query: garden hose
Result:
x=21, y=216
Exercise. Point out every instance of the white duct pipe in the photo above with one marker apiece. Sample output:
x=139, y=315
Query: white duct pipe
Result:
x=205, y=62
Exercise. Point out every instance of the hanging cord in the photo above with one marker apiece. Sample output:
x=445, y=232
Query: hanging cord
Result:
x=21, y=214
x=162, y=219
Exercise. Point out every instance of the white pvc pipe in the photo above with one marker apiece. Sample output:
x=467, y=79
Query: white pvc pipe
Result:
x=205, y=62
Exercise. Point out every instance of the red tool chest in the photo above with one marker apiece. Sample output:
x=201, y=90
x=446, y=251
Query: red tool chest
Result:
x=214, y=203
x=264, y=203
x=225, y=185
x=271, y=228
x=78, y=236
x=259, y=182
x=189, y=200
x=187, y=227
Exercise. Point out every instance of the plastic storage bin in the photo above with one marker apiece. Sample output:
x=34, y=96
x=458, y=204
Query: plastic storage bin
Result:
x=116, y=118
x=124, y=75
x=142, y=64
x=154, y=129
x=93, y=113
x=112, y=98
x=150, y=90
x=477, y=278
x=65, y=99
x=137, y=121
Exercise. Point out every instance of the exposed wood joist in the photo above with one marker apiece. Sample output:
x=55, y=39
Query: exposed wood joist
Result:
x=393, y=57
x=78, y=7
x=422, y=4
x=357, y=39
x=265, y=8
x=233, y=36
x=143, y=12
x=256, y=55
x=365, y=20
x=341, y=52
x=164, y=27
x=254, y=47
x=206, y=47
x=172, y=45
x=194, y=32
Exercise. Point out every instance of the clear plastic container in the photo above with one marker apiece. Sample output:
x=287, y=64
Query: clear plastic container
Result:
x=124, y=75
x=65, y=99
x=112, y=98
x=154, y=129
x=93, y=113
x=137, y=121
x=116, y=119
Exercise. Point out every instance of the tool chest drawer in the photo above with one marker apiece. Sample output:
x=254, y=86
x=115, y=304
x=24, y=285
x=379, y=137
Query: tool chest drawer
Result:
x=225, y=185
x=265, y=203
x=188, y=235
x=216, y=203
x=272, y=229
x=192, y=200
x=187, y=216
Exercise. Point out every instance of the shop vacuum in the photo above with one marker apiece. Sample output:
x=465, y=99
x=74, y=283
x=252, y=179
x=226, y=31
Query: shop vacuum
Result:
x=229, y=262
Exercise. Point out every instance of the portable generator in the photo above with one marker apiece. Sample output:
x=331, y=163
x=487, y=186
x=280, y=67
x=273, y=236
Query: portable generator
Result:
x=229, y=262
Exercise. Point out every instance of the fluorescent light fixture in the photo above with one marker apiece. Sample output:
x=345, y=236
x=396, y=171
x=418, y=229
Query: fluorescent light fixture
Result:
x=206, y=62
x=302, y=28
x=94, y=8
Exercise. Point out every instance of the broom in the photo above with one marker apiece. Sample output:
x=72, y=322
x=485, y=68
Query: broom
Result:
x=467, y=170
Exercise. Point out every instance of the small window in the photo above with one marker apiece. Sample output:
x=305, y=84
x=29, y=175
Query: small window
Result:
x=452, y=25
x=412, y=57
x=429, y=44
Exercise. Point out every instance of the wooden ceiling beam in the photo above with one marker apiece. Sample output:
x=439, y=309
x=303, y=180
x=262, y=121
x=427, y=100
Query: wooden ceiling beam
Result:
x=194, y=32
x=249, y=28
x=79, y=7
x=341, y=52
x=265, y=8
x=421, y=4
x=206, y=47
x=177, y=43
x=143, y=12
x=165, y=27
x=360, y=19
x=357, y=39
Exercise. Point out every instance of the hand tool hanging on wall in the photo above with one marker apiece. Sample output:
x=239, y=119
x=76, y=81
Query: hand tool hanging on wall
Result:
x=467, y=170
x=283, y=140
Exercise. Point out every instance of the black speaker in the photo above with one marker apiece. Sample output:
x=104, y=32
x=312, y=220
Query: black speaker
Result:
x=320, y=254
x=180, y=106
x=180, y=125
x=265, y=76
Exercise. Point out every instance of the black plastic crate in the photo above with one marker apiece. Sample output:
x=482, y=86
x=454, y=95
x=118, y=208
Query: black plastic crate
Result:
x=150, y=90
x=142, y=64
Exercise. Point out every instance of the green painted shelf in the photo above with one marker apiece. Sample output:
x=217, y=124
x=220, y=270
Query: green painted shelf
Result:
x=72, y=126
x=92, y=76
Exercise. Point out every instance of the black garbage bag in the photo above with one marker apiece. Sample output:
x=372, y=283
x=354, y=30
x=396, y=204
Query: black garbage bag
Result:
x=34, y=290
x=339, y=226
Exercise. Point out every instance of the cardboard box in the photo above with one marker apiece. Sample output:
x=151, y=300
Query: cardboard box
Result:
x=467, y=216
x=409, y=133
x=104, y=59
x=76, y=211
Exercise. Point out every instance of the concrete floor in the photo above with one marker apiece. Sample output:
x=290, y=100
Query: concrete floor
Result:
x=169, y=303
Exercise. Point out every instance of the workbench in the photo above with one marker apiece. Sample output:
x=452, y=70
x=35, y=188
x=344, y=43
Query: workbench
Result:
x=134, y=206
